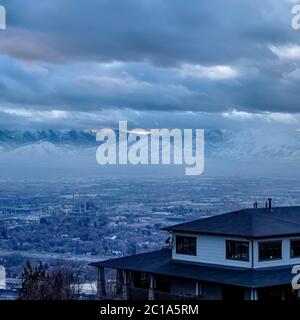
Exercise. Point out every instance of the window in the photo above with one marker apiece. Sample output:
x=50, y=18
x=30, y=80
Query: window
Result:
x=269, y=250
x=237, y=250
x=295, y=248
x=186, y=245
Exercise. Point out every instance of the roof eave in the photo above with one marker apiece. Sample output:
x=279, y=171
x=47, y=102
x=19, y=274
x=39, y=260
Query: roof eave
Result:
x=239, y=235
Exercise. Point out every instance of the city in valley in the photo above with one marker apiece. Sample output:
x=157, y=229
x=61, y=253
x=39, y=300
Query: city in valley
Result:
x=77, y=221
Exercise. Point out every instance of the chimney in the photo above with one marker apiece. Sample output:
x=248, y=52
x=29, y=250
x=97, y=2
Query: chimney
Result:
x=270, y=204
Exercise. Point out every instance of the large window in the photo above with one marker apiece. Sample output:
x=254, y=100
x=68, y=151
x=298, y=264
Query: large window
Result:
x=186, y=245
x=269, y=250
x=237, y=250
x=295, y=248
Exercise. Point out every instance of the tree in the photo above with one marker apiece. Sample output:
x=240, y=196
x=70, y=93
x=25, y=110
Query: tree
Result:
x=41, y=284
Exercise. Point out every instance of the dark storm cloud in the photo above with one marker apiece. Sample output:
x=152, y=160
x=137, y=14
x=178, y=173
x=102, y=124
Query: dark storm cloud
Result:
x=77, y=60
x=161, y=31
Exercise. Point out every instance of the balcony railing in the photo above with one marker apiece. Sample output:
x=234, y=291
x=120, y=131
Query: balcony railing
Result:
x=114, y=292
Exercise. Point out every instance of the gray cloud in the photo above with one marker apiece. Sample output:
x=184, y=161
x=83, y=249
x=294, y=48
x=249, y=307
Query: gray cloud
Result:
x=160, y=31
x=74, y=62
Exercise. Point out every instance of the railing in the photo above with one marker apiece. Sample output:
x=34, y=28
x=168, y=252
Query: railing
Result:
x=114, y=292
x=111, y=291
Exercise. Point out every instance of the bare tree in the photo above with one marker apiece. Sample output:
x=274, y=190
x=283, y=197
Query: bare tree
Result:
x=41, y=284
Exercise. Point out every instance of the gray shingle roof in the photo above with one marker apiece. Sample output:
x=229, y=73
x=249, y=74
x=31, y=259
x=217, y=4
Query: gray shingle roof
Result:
x=161, y=263
x=250, y=223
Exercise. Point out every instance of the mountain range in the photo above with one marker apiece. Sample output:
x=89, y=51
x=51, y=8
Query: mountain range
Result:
x=226, y=152
x=224, y=144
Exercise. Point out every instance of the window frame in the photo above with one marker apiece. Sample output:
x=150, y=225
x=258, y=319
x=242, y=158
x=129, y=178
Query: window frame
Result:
x=227, y=241
x=190, y=252
x=291, y=240
x=268, y=242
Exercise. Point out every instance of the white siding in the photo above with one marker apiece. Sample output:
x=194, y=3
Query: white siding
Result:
x=212, y=250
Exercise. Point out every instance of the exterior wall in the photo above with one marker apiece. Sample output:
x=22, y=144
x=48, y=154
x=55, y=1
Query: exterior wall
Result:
x=212, y=250
x=286, y=258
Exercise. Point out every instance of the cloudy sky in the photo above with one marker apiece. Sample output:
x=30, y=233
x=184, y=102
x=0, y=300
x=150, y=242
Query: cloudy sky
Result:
x=174, y=63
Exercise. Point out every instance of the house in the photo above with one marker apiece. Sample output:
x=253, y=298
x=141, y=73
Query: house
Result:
x=242, y=255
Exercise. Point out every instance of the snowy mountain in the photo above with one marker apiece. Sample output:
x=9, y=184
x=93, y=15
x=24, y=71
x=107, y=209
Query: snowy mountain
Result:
x=253, y=144
x=15, y=139
x=227, y=152
x=223, y=144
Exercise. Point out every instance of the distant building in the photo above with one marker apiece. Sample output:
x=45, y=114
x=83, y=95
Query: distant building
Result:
x=9, y=288
x=2, y=278
x=242, y=255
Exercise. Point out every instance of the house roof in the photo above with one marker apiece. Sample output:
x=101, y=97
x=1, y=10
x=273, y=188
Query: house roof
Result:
x=249, y=223
x=161, y=263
